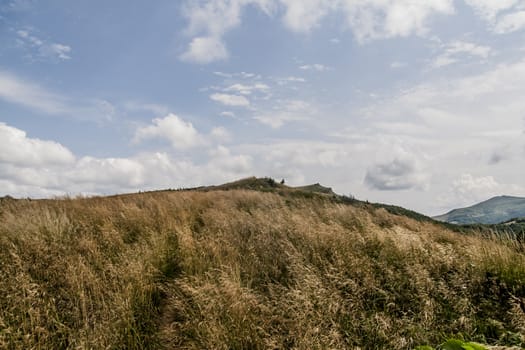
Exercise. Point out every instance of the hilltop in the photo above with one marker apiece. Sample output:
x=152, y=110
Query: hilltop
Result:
x=266, y=184
x=492, y=211
x=253, y=264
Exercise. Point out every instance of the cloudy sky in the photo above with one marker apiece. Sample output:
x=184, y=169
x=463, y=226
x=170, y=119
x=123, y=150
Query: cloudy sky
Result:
x=415, y=103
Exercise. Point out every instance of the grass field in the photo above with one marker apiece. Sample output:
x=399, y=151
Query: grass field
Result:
x=244, y=269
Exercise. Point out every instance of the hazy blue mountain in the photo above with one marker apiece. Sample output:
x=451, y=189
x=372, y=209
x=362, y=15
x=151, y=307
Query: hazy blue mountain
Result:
x=492, y=211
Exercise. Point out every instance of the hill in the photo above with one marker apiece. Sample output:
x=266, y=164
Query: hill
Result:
x=266, y=184
x=235, y=268
x=493, y=211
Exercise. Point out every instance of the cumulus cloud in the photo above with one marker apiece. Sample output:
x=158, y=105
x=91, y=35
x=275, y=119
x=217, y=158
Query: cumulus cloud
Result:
x=181, y=134
x=304, y=15
x=17, y=149
x=104, y=174
x=402, y=173
x=208, y=21
x=205, y=50
x=230, y=100
x=222, y=158
x=371, y=19
x=41, y=168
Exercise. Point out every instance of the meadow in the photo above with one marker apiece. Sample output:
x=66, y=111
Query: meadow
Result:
x=245, y=269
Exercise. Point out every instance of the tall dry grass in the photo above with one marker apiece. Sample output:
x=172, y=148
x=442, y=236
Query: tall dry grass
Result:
x=246, y=270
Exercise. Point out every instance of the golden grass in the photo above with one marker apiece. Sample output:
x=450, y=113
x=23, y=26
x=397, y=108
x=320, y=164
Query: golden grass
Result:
x=246, y=270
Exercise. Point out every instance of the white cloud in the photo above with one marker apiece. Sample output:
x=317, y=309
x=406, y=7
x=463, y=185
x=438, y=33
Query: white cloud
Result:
x=460, y=122
x=205, y=50
x=304, y=15
x=220, y=134
x=296, y=106
x=42, y=48
x=456, y=50
x=33, y=167
x=379, y=19
x=154, y=108
x=504, y=16
x=490, y=9
x=289, y=80
x=468, y=189
x=228, y=114
x=304, y=153
x=246, y=89
x=466, y=184
x=104, y=174
x=223, y=75
x=210, y=20
x=397, y=64
x=510, y=23
x=453, y=107
x=230, y=100
x=59, y=50
x=17, y=149
x=277, y=120
x=181, y=134
x=316, y=66
x=287, y=111
x=221, y=158
x=31, y=95
x=16, y=90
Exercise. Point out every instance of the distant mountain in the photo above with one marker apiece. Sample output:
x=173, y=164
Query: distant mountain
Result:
x=492, y=211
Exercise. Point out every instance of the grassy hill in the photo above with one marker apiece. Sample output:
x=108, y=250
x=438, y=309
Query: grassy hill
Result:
x=235, y=268
x=493, y=211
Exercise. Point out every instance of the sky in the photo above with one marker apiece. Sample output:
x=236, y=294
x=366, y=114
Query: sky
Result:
x=414, y=103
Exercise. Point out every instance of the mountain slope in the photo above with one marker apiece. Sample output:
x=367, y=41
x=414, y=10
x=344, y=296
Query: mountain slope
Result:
x=492, y=211
x=244, y=269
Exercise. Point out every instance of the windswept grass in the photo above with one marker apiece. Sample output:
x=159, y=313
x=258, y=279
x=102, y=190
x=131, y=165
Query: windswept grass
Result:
x=247, y=270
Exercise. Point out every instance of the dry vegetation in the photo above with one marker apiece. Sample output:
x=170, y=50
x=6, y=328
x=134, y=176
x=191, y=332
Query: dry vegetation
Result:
x=247, y=270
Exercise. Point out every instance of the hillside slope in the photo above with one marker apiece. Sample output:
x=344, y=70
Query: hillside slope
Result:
x=492, y=211
x=243, y=269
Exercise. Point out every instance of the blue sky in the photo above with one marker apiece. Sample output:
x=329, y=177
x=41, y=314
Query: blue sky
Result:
x=415, y=103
